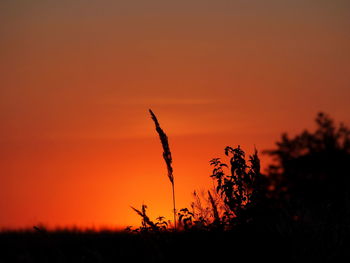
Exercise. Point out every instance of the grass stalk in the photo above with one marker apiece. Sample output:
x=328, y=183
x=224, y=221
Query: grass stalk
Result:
x=167, y=157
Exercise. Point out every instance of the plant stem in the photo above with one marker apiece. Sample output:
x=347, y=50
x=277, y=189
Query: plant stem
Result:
x=172, y=184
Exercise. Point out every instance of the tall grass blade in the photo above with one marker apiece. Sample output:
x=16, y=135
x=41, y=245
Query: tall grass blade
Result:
x=167, y=157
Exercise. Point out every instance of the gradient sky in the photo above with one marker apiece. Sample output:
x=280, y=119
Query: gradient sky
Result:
x=77, y=145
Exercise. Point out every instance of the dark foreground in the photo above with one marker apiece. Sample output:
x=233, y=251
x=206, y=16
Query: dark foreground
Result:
x=195, y=246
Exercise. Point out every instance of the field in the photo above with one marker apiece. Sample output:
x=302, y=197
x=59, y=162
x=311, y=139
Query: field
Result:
x=247, y=245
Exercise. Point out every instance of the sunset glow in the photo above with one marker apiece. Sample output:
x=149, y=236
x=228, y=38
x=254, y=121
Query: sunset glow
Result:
x=77, y=144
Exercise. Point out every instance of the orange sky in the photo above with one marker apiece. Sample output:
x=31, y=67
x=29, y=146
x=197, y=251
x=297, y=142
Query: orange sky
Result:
x=77, y=145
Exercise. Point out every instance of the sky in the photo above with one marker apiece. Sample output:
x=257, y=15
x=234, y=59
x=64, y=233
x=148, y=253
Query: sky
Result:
x=77, y=145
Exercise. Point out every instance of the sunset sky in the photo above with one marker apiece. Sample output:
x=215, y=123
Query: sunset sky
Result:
x=77, y=77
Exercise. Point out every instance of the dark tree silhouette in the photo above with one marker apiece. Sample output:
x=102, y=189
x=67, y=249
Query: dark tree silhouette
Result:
x=312, y=173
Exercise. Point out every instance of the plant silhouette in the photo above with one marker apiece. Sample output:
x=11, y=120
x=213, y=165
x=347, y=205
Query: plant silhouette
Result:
x=185, y=218
x=311, y=175
x=146, y=223
x=167, y=158
x=237, y=183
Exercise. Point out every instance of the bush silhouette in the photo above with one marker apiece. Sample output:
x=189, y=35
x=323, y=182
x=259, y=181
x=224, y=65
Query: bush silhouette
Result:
x=312, y=172
x=238, y=184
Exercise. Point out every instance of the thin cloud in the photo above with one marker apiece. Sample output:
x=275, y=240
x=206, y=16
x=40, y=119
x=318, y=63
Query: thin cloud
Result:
x=157, y=101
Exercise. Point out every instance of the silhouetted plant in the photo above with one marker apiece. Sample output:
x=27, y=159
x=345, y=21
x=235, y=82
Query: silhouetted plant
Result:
x=185, y=218
x=128, y=229
x=238, y=187
x=208, y=210
x=214, y=206
x=167, y=158
x=161, y=223
x=146, y=223
x=200, y=209
x=311, y=173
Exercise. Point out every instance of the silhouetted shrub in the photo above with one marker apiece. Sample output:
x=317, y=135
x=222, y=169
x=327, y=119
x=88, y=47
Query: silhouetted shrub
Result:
x=238, y=184
x=146, y=223
x=311, y=173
